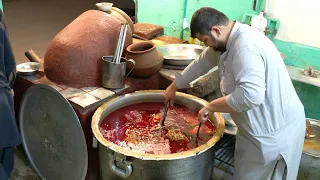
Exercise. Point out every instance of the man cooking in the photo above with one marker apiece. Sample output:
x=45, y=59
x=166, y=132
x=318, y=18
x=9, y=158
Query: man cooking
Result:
x=258, y=93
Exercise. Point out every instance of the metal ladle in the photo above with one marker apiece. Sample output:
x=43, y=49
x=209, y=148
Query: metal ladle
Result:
x=205, y=116
x=164, y=114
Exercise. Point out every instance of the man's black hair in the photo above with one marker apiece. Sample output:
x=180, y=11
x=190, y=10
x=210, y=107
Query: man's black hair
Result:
x=204, y=18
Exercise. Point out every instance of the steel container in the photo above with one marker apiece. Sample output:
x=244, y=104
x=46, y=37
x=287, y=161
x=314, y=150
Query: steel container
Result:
x=120, y=163
x=114, y=74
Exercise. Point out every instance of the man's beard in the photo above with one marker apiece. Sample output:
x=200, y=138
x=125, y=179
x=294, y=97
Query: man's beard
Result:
x=218, y=45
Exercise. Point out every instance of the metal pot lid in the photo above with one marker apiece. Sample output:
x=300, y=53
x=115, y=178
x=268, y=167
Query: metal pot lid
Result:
x=28, y=68
x=312, y=146
x=180, y=54
x=52, y=135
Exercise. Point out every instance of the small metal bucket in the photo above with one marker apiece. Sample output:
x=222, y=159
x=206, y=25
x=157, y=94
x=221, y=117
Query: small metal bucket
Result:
x=114, y=74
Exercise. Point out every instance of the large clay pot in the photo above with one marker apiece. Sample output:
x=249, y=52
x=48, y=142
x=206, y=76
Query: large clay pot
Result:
x=74, y=55
x=148, y=59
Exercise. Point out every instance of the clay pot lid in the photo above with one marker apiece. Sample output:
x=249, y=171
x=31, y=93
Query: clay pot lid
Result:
x=104, y=6
x=141, y=47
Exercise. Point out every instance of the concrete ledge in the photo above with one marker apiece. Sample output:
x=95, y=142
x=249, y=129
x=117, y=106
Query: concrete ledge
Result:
x=296, y=74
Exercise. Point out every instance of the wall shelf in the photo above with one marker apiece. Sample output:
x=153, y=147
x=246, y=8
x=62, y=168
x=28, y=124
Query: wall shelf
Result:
x=296, y=74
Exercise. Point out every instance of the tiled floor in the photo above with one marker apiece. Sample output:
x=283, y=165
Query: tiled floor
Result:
x=22, y=169
x=309, y=168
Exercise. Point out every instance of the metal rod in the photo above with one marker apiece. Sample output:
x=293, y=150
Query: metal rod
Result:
x=118, y=44
x=122, y=42
x=254, y=4
x=119, y=47
x=198, y=129
x=224, y=153
x=164, y=114
x=221, y=153
x=230, y=157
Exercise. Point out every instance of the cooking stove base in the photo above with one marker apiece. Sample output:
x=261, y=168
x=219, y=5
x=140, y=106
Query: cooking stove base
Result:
x=224, y=158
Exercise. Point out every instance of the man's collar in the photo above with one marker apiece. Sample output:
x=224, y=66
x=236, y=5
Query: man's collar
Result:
x=232, y=34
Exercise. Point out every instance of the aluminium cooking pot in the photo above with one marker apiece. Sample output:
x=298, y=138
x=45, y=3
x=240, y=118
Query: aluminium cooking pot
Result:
x=117, y=162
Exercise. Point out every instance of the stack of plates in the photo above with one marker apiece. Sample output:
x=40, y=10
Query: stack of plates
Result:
x=180, y=54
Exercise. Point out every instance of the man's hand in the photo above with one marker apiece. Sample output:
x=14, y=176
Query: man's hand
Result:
x=217, y=105
x=12, y=92
x=170, y=93
x=203, y=115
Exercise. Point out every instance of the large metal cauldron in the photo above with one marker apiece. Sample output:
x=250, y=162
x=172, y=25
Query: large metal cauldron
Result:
x=120, y=163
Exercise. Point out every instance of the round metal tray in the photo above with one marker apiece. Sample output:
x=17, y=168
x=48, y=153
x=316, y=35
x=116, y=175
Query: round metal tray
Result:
x=180, y=54
x=312, y=146
x=52, y=135
x=28, y=68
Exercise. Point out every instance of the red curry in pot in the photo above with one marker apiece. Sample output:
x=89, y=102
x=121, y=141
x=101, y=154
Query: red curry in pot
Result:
x=136, y=127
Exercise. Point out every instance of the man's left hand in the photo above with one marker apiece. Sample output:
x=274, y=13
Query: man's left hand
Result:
x=203, y=115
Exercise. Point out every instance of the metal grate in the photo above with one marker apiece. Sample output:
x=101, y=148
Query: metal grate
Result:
x=224, y=154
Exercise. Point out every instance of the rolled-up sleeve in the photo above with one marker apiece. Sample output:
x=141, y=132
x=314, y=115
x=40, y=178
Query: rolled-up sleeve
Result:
x=206, y=61
x=249, y=73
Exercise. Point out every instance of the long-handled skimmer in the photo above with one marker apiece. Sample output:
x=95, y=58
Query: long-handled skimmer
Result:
x=164, y=114
x=205, y=116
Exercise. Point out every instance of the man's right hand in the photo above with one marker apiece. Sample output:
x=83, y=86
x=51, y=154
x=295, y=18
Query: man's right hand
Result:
x=170, y=93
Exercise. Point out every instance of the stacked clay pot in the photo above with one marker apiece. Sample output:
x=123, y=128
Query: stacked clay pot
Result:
x=148, y=59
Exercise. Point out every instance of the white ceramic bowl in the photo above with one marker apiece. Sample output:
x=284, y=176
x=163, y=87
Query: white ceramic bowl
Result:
x=104, y=6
